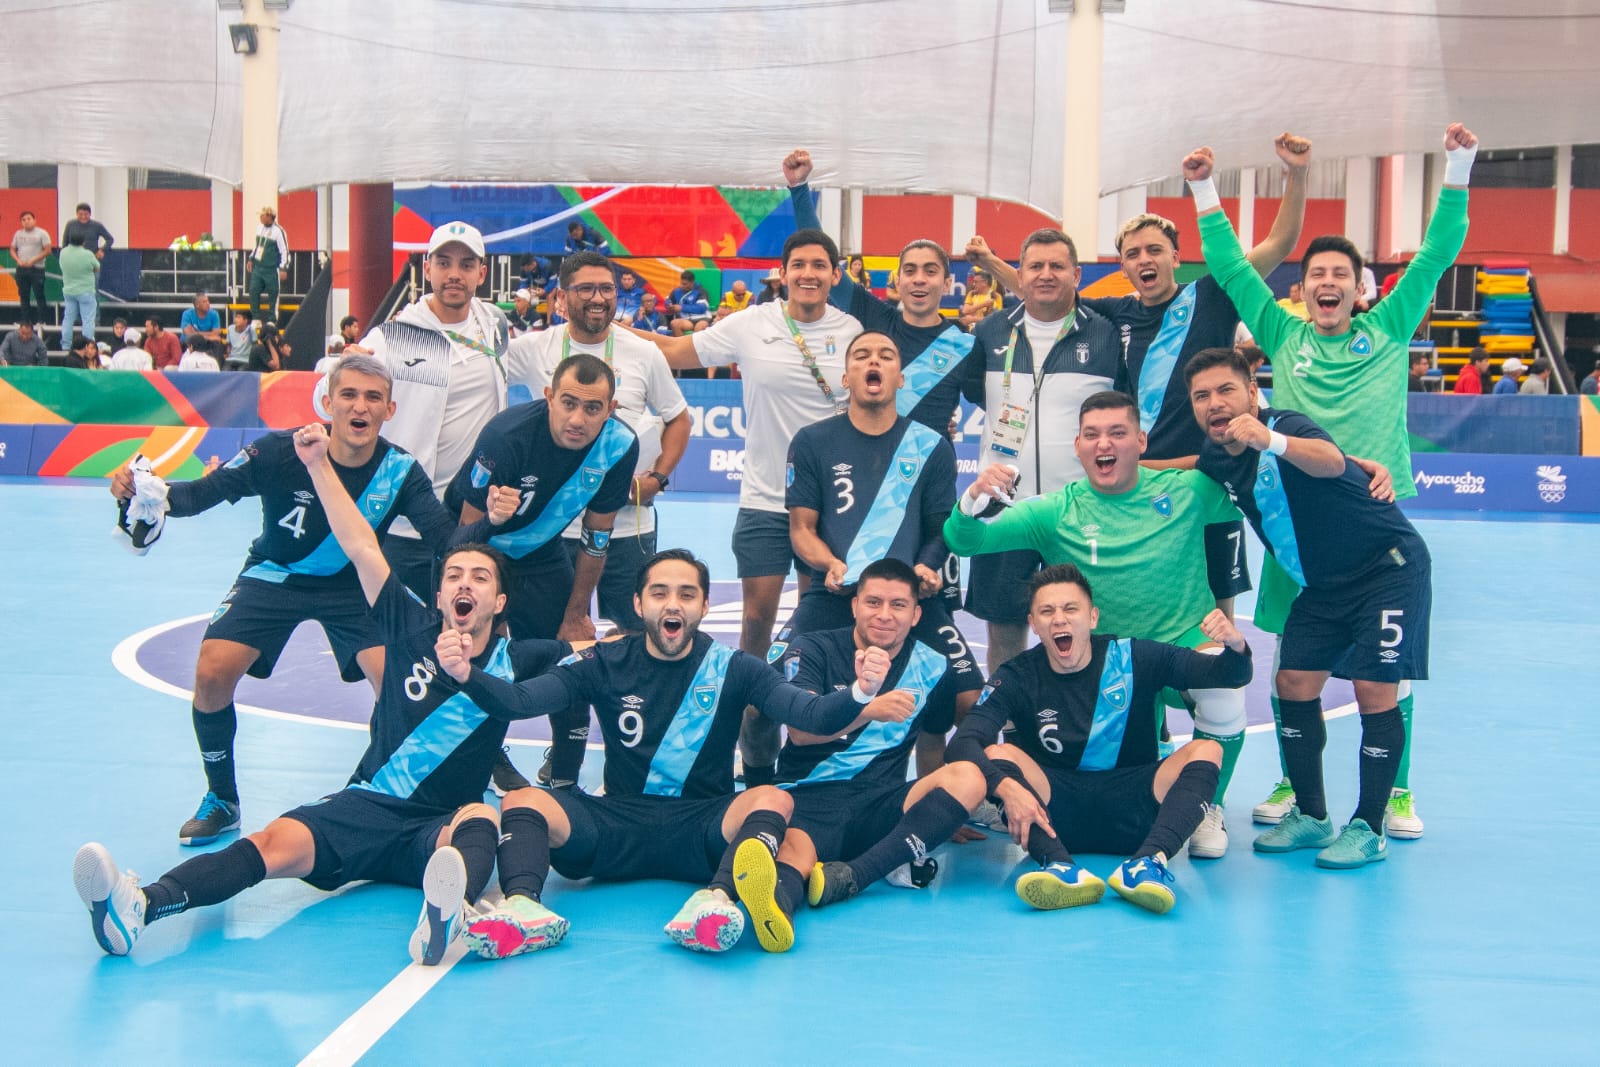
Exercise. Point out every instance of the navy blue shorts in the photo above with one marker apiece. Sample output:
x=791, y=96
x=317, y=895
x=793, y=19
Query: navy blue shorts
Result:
x=844, y=819
x=262, y=615
x=1373, y=630
x=362, y=836
x=615, y=591
x=620, y=839
x=1103, y=811
x=540, y=586
x=997, y=588
x=761, y=545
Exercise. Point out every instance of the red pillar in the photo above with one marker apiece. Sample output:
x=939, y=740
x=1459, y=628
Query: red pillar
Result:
x=371, y=247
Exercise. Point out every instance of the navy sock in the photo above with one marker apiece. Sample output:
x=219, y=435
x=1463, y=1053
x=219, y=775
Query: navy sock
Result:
x=768, y=827
x=925, y=825
x=524, y=852
x=1182, y=810
x=205, y=880
x=1044, y=849
x=1302, y=734
x=791, y=889
x=215, y=732
x=476, y=839
x=569, y=741
x=1383, y=741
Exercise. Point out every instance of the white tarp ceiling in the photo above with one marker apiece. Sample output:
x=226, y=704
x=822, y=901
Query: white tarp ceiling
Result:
x=896, y=94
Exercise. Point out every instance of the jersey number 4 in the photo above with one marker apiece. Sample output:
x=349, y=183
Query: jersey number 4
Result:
x=295, y=521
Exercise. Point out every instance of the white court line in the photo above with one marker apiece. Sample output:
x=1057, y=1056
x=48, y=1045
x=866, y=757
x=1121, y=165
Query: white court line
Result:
x=357, y=1034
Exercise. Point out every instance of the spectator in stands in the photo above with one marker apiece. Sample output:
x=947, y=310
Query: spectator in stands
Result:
x=690, y=305
x=270, y=353
x=771, y=288
x=119, y=328
x=1295, y=302
x=132, y=355
x=1474, y=374
x=532, y=276
x=241, y=338
x=1392, y=280
x=91, y=235
x=1420, y=365
x=268, y=264
x=79, y=269
x=982, y=299
x=736, y=298
x=30, y=247
x=1510, y=377
x=23, y=347
x=1590, y=386
x=84, y=353
x=630, y=294
x=581, y=238
x=164, y=347
x=200, y=354
x=651, y=317
x=1369, y=290
x=1537, y=383
x=349, y=332
x=200, y=320
x=857, y=272
x=522, y=314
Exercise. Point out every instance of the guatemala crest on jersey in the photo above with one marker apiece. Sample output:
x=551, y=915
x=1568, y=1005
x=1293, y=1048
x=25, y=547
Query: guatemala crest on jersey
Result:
x=375, y=504
x=909, y=468
x=480, y=473
x=1162, y=505
x=705, y=696
x=791, y=669
x=237, y=461
x=985, y=694
x=1362, y=345
x=777, y=650
x=590, y=477
x=1265, y=477
x=788, y=475
x=1116, y=696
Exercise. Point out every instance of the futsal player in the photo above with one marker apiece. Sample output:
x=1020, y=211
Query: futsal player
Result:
x=1365, y=598
x=295, y=569
x=670, y=703
x=849, y=786
x=412, y=813
x=1346, y=371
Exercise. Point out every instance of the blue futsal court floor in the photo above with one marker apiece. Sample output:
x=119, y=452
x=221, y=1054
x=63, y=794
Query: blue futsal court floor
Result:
x=1475, y=944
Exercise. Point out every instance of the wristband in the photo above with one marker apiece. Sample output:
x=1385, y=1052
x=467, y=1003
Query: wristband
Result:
x=1277, y=444
x=1458, y=165
x=857, y=695
x=1205, y=196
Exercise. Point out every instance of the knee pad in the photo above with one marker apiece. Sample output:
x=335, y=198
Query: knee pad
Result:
x=1219, y=712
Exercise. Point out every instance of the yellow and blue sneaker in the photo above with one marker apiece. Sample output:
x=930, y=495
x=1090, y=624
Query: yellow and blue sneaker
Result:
x=1060, y=885
x=1144, y=880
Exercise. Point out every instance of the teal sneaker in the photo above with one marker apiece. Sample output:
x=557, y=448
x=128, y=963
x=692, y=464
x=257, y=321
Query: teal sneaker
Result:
x=1297, y=830
x=1357, y=846
x=519, y=925
x=1146, y=882
x=707, y=922
x=1277, y=804
x=1060, y=885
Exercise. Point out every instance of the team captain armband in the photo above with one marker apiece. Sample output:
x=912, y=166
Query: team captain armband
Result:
x=594, y=542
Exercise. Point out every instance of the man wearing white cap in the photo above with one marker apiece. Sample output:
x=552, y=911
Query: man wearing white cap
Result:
x=268, y=264
x=445, y=354
x=1510, y=373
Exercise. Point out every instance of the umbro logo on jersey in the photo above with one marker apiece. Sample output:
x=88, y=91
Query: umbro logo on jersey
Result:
x=963, y=664
x=529, y=481
x=1091, y=530
x=632, y=701
x=1388, y=655
x=1288, y=731
x=841, y=468
x=1374, y=751
x=305, y=496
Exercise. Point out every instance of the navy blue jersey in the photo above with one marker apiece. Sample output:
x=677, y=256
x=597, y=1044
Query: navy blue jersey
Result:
x=882, y=496
x=557, y=484
x=1324, y=532
x=825, y=660
x=1157, y=343
x=1103, y=716
x=670, y=726
x=296, y=546
x=429, y=742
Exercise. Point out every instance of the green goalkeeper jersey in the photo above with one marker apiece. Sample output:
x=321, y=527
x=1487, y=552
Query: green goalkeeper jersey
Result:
x=1157, y=557
x=1353, y=385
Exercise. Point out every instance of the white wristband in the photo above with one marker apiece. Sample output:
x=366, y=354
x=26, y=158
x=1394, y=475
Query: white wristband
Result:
x=1277, y=444
x=1205, y=196
x=857, y=695
x=1458, y=165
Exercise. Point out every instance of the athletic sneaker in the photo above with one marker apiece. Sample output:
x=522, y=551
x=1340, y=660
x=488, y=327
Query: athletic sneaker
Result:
x=989, y=816
x=830, y=883
x=1146, y=882
x=1060, y=885
x=707, y=922
x=1401, y=819
x=1356, y=846
x=1296, y=830
x=444, y=907
x=519, y=925
x=114, y=899
x=1210, y=839
x=137, y=535
x=545, y=776
x=1277, y=804
x=505, y=777
x=919, y=875
x=755, y=877
x=212, y=819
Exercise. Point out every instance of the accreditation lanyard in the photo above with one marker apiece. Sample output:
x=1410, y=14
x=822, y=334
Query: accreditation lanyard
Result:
x=566, y=345
x=477, y=346
x=809, y=360
x=1010, y=431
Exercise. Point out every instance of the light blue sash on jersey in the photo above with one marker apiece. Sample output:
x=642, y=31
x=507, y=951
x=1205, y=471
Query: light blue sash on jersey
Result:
x=1276, y=524
x=1104, y=745
x=921, y=675
x=437, y=736
x=1161, y=358
x=573, y=497
x=883, y=522
x=680, y=746
x=932, y=367
x=375, y=502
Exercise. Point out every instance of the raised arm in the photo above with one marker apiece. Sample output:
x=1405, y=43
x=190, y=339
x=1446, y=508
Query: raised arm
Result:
x=349, y=527
x=1257, y=306
x=1285, y=233
x=980, y=255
